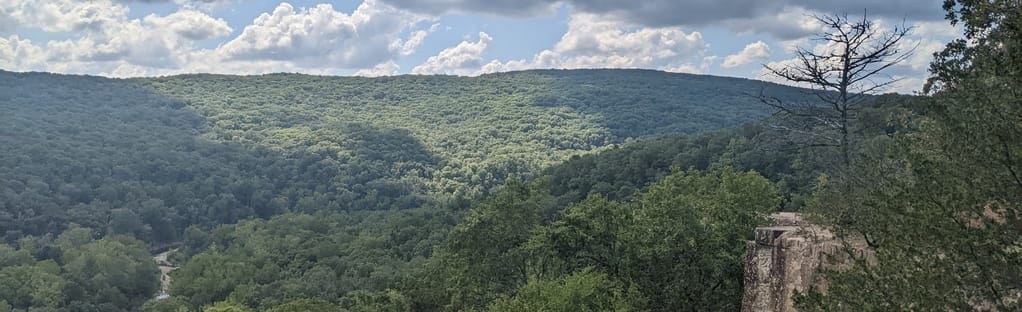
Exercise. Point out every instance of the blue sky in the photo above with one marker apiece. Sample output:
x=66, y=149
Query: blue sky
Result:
x=121, y=38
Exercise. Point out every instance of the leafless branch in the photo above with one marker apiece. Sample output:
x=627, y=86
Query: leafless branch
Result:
x=843, y=75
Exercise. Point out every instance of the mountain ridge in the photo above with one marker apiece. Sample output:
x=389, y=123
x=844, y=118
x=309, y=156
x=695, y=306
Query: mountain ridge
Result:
x=151, y=156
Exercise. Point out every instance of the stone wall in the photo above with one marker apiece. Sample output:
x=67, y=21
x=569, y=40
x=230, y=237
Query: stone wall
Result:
x=784, y=258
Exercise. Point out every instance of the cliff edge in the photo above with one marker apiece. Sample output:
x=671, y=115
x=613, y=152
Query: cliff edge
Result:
x=783, y=258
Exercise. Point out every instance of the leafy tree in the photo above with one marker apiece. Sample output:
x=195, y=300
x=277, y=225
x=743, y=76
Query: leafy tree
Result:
x=76, y=272
x=172, y=304
x=12, y=257
x=484, y=255
x=225, y=306
x=939, y=205
x=150, y=157
x=687, y=243
x=678, y=246
x=384, y=301
x=585, y=290
x=589, y=235
x=306, y=305
x=32, y=286
x=210, y=278
x=293, y=191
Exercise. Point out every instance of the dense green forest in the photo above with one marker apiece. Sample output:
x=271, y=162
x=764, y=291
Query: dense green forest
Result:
x=149, y=157
x=576, y=229
x=589, y=190
x=165, y=160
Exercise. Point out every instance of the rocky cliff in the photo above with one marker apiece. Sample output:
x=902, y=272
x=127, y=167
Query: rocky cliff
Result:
x=784, y=258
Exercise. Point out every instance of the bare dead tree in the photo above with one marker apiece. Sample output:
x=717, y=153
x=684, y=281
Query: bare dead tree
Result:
x=843, y=72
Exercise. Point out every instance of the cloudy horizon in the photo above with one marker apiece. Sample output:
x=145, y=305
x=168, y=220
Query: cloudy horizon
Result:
x=454, y=37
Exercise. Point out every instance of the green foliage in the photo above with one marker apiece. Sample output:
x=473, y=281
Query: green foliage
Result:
x=621, y=171
x=382, y=301
x=940, y=204
x=688, y=238
x=306, y=305
x=294, y=192
x=172, y=304
x=267, y=263
x=150, y=157
x=678, y=246
x=483, y=255
x=225, y=306
x=76, y=271
x=38, y=285
x=585, y=290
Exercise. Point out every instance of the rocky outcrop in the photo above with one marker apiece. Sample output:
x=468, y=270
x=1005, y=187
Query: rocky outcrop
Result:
x=785, y=258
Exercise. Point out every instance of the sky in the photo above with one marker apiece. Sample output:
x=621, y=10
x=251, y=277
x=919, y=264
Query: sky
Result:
x=132, y=38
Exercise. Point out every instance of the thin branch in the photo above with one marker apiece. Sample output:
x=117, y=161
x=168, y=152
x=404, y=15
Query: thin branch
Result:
x=841, y=78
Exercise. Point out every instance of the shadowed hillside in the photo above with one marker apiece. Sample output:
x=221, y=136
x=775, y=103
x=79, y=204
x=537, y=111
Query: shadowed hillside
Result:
x=149, y=157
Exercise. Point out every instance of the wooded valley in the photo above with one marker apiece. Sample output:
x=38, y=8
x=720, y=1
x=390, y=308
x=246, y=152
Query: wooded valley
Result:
x=540, y=190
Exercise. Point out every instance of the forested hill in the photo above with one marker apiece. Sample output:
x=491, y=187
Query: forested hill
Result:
x=148, y=157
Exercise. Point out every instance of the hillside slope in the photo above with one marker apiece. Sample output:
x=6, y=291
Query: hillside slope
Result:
x=151, y=156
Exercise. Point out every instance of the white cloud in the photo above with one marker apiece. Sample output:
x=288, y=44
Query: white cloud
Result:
x=685, y=68
x=384, y=69
x=154, y=41
x=16, y=52
x=321, y=36
x=758, y=50
x=464, y=59
x=66, y=15
x=908, y=74
x=98, y=37
x=103, y=38
x=690, y=68
x=595, y=41
x=590, y=42
x=413, y=42
x=189, y=24
x=598, y=42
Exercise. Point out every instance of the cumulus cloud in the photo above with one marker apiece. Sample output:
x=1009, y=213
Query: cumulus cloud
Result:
x=16, y=52
x=413, y=42
x=594, y=41
x=908, y=74
x=101, y=36
x=464, y=59
x=63, y=15
x=385, y=69
x=189, y=24
x=758, y=50
x=323, y=36
x=98, y=37
x=591, y=41
x=154, y=41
